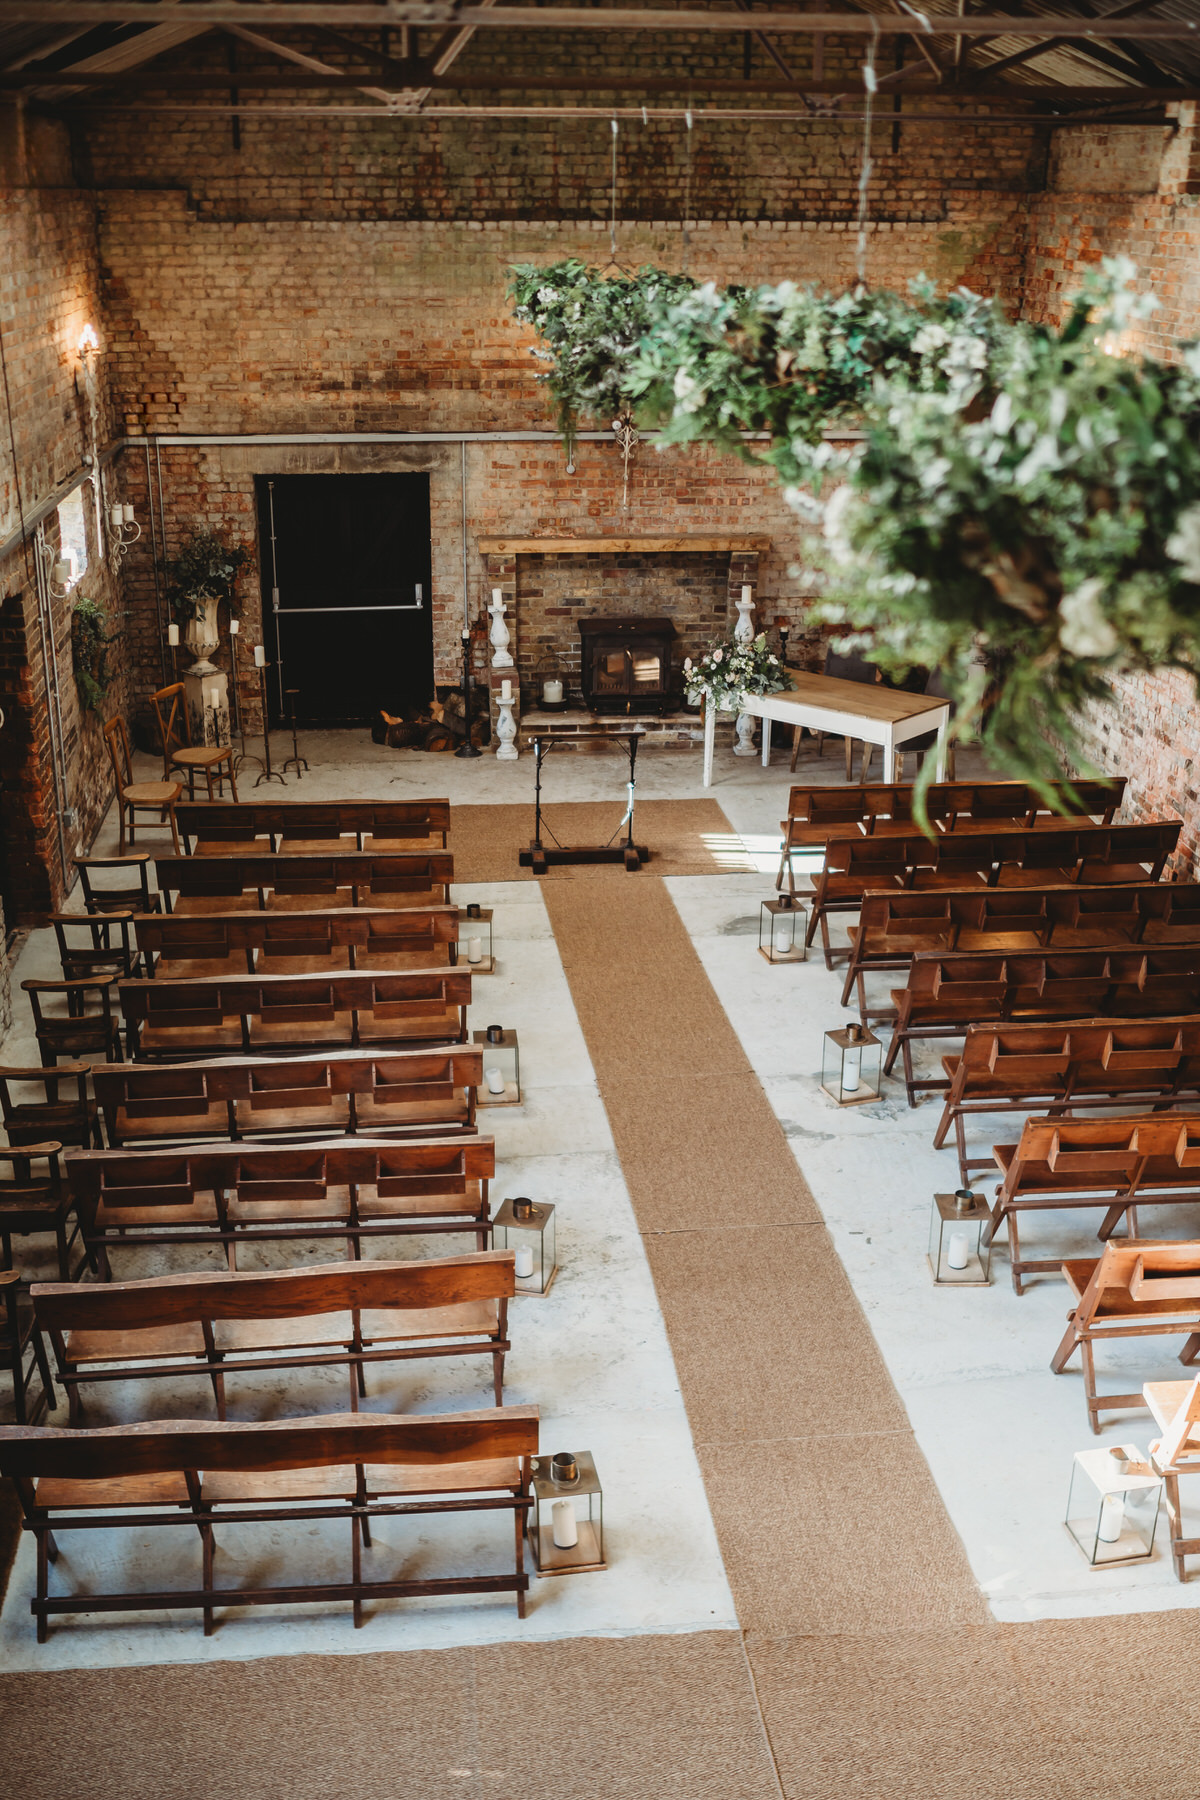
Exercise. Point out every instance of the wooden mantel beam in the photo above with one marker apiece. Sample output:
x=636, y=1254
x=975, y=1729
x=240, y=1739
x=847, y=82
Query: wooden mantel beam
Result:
x=734, y=542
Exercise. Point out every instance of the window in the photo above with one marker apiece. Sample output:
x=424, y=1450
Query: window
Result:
x=72, y=535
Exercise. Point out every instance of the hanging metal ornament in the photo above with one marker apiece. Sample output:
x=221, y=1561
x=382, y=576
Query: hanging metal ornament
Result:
x=628, y=438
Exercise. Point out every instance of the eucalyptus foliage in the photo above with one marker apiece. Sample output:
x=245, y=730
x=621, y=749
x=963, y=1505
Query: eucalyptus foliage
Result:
x=206, y=568
x=90, y=644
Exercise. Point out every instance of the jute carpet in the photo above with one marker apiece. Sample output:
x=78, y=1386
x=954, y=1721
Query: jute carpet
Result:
x=684, y=837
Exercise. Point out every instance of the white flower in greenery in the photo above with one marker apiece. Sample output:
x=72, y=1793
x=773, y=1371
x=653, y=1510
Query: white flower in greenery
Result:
x=1002, y=415
x=1083, y=627
x=836, y=508
x=1184, y=543
x=930, y=337
x=717, y=655
x=547, y=295
x=683, y=384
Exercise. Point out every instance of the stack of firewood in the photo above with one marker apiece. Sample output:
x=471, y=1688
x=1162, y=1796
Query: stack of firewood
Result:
x=439, y=725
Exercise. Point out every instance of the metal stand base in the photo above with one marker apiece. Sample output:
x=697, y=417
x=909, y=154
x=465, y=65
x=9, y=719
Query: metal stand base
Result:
x=540, y=856
x=467, y=748
x=295, y=758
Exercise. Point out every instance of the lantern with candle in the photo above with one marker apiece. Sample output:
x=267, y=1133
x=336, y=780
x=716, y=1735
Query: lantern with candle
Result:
x=501, y=1067
x=851, y=1065
x=783, y=930
x=566, y=1522
x=1112, y=1505
x=958, y=1254
x=527, y=1228
x=550, y=686
x=475, y=938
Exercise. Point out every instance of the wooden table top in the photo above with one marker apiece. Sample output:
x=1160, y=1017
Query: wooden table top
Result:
x=869, y=700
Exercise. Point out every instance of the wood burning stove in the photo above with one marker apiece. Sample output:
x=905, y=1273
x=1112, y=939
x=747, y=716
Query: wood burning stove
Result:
x=626, y=667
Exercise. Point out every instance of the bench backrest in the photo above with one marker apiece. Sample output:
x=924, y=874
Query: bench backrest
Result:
x=1120, y=1053
x=1154, y=914
x=215, y=821
x=1150, y=1150
x=1073, y=853
x=275, y=1294
x=979, y=986
x=1153, y=1274
x=116, y=1451
x=956, y=803
x=300, y=999
x=423, y=873
x=363, y=930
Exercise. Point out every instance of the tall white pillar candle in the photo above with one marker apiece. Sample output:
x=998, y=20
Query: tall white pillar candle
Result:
x=851, y=1069
x=524, y=1264
x=1112, y=1518
x=495, y=1080
x=566, y=1527
x=783, y=940
x=116, y=513
x=127, y=512
x=474, y=950
x=497, y=596
x=260, y=656
x=958, y=1254
x=172, y=633
x=747, y=592
x=506, y=690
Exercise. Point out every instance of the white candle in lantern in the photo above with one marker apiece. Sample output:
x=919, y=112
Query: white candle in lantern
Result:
x=506, y=690
x=495, y=1080
x=851, y=1069
x=1112, y=1518
x=127, y=512
x=552, y=692
x=524, y=1263
x=172, y=634
x=474, y=950
x=783, y=940
x=566, y=1526
x=235, y=625
x=958, y=1254
x=260, y=656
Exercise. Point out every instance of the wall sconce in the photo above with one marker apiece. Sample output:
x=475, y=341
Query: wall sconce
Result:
x=89, y=344
x=123, y=530
x=60, y=572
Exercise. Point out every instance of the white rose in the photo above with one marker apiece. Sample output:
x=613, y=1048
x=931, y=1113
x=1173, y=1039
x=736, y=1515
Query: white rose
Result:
x=1184, y=542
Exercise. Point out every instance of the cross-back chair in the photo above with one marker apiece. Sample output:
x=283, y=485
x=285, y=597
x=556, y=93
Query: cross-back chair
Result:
x=178, y=751
x=133, y=796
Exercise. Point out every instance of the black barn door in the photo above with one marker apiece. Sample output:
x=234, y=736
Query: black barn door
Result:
x=345, y=574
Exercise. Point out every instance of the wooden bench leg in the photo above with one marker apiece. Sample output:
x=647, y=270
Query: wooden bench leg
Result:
x=356, y=1576
x=208, y=1544
x=1066, y=1348
x=498, y=1376
x=1089, y=1383
x=1191, y=1349
x=519, y=1521
x=1175, y=1521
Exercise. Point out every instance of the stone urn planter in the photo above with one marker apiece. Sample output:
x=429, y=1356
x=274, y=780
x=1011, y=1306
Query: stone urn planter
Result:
x=203, y=634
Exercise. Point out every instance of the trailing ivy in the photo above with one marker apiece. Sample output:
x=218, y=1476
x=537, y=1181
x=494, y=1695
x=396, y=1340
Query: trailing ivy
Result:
x=90, y=644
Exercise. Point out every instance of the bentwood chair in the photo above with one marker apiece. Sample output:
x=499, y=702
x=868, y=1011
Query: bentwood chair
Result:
x=19, y=1333
x=105, y=950
x=70, y=1116
x=36, y=1202
x=175, y=737
x=133, y=796
x=135, y=898
x=88, y=1026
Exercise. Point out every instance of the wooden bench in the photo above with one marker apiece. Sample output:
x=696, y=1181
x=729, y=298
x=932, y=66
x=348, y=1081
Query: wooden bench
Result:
x=893, y=929
x=309, y=883
x=285, y=1474
x=1067, y=1164
x=346, y=1009
x=1176, y=1409
x=1134, y=1289
x=231, y=1194
x=377, y=1093
x=295, y=824
x=1078, y=855
x=181, y=944
x=328, y=1315
x=817, y=813
x=949, y=991
x=1068, y=1068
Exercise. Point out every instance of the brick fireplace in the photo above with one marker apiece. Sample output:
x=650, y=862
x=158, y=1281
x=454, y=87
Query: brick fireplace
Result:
x=551, y=585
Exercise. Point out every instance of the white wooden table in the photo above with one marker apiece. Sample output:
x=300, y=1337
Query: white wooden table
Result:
x=871, y=712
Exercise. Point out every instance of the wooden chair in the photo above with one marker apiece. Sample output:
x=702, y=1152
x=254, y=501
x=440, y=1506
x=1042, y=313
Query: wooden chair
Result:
x=133, y=796
x=87, y=1027
x=919, y=747
x=1137, y=1288
x=1176, y=1409
x=132, y=898
x=347, y=1468
x=31, y=1204
x=74, y=1120
x=325, y=1315
x=19, y=1334
x=101, y=953
x=1117, y=1165
x=175, y=738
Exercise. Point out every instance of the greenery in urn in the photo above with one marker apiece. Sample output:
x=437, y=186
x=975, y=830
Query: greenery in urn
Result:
x=90, y=644
x=729, y=669
x=206, y=568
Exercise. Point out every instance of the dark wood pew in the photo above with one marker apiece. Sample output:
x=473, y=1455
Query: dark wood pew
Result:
x=310, y=883
x=1069, y=1068
x=180, y=944
x=948, y=991
x=1068, y=1164
x=376, y=1093
x=894, y=928
x=231, y=1194
x=349, y=1009
x=349, y=1466
x=208, y=826
x=327, y=1315
x=1135, y=1288
x=817, y=813
x=1078, y=855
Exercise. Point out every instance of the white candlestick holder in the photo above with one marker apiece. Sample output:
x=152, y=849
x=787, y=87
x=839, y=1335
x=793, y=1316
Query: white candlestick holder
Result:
x=506, y=732
x=498, y=636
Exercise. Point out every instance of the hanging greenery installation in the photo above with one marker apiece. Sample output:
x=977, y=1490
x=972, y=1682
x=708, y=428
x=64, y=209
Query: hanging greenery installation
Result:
x=90, y=644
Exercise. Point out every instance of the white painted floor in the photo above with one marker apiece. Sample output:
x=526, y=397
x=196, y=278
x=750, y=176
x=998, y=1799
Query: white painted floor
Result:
x=972, y=1368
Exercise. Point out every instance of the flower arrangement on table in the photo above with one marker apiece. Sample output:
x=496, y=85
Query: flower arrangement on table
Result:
x=730, y=669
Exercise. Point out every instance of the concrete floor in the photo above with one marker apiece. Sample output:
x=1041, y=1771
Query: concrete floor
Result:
x=972, y=1367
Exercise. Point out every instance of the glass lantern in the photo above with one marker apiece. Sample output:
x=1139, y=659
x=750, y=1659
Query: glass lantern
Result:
x=782, y=930
x=526, y=1228
x=566, y=1521
x=501, y=1067
x=851, y=1065
x=1112, y=1505
x=475, y=939
x=958, y=1255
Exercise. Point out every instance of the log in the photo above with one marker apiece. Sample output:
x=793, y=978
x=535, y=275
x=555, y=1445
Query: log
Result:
x=439, y=738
